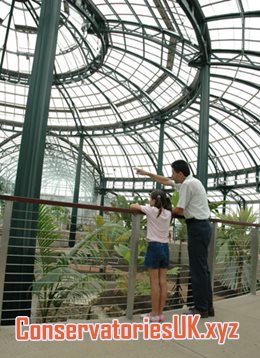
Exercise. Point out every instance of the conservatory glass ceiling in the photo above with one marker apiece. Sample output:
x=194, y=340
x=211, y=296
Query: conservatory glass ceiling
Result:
x=124, y=67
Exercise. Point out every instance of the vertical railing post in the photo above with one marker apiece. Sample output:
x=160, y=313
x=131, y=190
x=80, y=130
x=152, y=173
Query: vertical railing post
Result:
x=133, y=265
x=74, y=213
x=254, y=258
x=212, y=253
x=4, y=247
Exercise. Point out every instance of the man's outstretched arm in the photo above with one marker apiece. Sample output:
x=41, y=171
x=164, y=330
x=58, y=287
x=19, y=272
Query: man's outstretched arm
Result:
x=158, y=178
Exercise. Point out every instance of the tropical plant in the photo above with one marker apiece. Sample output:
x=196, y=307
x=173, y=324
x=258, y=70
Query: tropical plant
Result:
x=120, y=201
x=109, y=234
x=124, y=252
x=214, y=206
x=173, y=271
x=233, y=250
x=143, y=286
x=60, y=215
x=56, y=281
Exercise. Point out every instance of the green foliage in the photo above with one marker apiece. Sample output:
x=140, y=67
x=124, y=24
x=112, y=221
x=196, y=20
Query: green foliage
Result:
x=233, y=250
x=213, y=206
x=174, y=271
x=143, y=286
x=99, y=219
x=55, y=280
x=242, y=215
x=175, y=199
x=139, y=200
x=60, y=215
x=46, y=235
x=61, y=284
x=121, y=202
x=124, y=252
x=99, y=244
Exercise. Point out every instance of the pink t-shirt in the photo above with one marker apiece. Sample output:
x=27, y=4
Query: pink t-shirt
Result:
x=157, y=228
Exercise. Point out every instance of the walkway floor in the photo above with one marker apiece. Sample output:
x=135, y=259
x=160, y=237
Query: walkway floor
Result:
x=245, y=310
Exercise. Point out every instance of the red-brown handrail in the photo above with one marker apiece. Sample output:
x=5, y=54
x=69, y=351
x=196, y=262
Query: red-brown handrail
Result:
x=66, y=203
x=105, y=208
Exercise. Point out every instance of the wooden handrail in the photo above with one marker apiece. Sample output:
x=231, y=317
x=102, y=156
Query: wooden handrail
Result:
x=106, y=208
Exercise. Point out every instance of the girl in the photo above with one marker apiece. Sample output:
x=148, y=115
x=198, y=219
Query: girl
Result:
x=159, y=215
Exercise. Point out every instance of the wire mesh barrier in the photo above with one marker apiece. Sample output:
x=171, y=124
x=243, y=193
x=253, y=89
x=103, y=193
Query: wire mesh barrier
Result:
x=102, y=274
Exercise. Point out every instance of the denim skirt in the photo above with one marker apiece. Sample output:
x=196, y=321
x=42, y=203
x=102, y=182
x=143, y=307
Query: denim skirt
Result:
x=157, y=255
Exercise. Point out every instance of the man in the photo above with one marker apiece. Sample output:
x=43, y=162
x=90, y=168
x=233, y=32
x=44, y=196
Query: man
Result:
x=193, y=205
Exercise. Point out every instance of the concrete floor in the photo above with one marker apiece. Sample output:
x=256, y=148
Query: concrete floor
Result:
x=245, y=310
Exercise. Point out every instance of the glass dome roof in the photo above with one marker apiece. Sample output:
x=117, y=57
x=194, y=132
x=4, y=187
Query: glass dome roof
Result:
x=121, y=69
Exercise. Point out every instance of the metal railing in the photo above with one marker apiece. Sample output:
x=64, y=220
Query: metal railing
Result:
x=102, y=275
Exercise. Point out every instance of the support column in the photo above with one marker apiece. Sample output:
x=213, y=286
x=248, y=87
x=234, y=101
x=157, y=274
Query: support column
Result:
x=73, y=225
x=160, y=154
x=103, y=186
x=19, y=273
x=202, y=167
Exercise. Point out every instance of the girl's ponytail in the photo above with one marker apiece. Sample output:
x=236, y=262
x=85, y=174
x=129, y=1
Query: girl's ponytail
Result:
x=159, y=204
x=161, y=201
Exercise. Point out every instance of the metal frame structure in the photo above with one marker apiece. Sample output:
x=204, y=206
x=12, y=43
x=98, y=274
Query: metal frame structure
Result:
x=143, y=84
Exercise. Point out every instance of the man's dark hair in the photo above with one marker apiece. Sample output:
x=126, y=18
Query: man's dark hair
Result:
x=181, y=166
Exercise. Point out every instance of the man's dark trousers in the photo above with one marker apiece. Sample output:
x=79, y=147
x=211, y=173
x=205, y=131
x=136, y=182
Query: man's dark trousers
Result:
x=199, y=235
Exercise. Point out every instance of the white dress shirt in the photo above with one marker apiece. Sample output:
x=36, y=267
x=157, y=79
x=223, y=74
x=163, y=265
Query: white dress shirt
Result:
x=193, y=199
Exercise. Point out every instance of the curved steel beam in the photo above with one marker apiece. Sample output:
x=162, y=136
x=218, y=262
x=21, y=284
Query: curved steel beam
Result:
x=241, y=109
x=75, y=148
x=121, y=27
x=193, y=11
x=195, y=138
x=246, y=149
x=96, y=19
x=116, y=76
